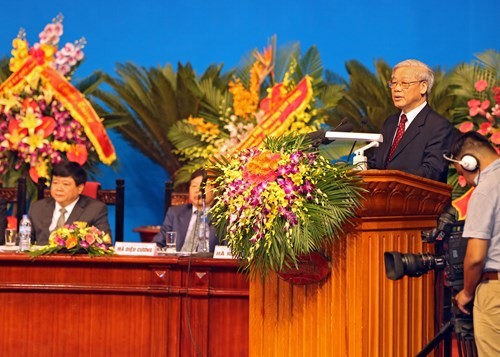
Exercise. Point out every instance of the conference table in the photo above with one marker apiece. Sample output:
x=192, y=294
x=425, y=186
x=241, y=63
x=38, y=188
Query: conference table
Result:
x=62, y=305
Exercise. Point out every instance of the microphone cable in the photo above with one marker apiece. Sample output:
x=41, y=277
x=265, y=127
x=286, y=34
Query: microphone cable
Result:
x=196, y=228
x=188, y=311
x=351, y=151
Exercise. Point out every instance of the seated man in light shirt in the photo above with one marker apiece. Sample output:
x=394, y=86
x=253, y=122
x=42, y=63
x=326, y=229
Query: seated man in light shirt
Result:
x=66, y=204
x=183, y=219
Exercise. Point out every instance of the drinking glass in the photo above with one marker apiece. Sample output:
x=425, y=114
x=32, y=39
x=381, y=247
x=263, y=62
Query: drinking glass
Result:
x=10, y=236
x=170, y=240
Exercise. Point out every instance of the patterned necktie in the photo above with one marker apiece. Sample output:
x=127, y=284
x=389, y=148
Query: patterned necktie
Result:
x=397, y=138
x=191, y=238
x=62, y=218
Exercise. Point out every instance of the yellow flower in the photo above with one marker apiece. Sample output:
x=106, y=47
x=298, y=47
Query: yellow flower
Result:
x=42, y=168
x=13, y=138
x=9, y=102
x=204, y=127
x=80, y=224
x=245, y=102
x=60, y=146
x=30, y=121
x=19, y=54
x=35, y=141
x=106, y=239
x=49, y=52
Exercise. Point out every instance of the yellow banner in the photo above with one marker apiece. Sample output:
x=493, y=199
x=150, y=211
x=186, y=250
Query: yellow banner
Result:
x=16, y=78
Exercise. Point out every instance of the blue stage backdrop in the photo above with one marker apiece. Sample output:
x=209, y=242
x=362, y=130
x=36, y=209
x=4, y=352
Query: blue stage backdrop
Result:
x=155, y=32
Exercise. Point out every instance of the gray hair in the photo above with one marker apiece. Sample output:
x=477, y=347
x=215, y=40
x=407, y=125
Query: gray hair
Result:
x=423, y=71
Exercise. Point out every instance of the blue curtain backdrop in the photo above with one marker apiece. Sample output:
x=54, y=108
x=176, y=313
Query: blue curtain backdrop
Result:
x=155, y=32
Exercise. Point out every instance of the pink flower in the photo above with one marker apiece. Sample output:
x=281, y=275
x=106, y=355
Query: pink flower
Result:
x=89, y=238
x=495, y=111
x=484, y=128
x=51, y=33
x=496, y=93
x=466, y=126
x=477, y=107
x=461, y=181
x=481, y=85
x=495, y=138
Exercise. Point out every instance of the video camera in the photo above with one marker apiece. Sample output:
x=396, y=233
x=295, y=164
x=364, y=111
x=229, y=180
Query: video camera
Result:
x=450, y=253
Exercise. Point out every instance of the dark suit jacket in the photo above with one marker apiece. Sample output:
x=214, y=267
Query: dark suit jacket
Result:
x=420, y=151
x=94, y=212
x=177, y=220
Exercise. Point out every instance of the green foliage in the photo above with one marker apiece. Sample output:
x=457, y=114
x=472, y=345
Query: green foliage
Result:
x=367, y=100
x=151, y=101
x=4, y=69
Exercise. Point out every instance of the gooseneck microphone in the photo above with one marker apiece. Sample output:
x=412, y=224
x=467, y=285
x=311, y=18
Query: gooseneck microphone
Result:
x=318, y=137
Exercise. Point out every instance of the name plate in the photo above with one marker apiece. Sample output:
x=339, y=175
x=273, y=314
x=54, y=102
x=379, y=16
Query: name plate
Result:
x=222, y=252
x=136, y=248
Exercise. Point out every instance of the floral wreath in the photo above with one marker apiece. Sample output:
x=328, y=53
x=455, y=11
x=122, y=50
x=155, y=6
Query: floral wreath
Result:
x=254, y=106
x=43, y=118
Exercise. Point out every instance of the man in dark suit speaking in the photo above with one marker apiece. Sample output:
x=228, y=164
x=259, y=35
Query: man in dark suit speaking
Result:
x=416, y=138
x=66, y=205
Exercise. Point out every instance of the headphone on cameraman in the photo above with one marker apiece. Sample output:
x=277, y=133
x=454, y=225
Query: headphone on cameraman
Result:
x=468, y=162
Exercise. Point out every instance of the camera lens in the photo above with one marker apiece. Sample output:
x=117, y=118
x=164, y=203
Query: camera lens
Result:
x=398, y=265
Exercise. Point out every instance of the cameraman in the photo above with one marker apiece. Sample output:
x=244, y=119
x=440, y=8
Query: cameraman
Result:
x=476, y=159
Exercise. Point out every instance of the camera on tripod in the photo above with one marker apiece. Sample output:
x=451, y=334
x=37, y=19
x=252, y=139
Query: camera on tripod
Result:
x=449, y=256
x=449, y=253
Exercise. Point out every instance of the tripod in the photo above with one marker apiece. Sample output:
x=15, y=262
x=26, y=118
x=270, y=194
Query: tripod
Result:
x=453, y=321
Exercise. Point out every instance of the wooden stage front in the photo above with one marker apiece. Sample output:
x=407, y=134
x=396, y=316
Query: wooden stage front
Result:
x=64, y=305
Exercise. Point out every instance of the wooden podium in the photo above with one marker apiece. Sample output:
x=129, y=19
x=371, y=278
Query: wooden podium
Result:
x=357, y=311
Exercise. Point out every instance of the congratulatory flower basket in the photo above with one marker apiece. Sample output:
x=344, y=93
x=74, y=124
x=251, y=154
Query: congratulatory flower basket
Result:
x=76, y=238
x=277, y=203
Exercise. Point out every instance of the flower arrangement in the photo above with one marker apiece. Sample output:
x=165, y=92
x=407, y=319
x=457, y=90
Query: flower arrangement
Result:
x=253, y=105
x=484, y=112
x=43, y=118
x=76, y=238
x=477, y=88
x=280, y=201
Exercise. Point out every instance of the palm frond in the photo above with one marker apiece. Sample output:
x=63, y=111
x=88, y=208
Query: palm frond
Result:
x=4, y=69
x=310, y=64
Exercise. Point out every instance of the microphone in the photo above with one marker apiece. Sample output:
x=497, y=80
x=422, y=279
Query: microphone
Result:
x=318, y=137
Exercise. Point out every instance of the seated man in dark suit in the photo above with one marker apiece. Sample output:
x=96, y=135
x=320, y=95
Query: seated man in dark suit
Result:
x=184, y=219
x=416, y=138
x=66, y=205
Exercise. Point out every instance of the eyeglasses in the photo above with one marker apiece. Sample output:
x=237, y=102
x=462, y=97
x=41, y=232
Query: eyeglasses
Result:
x=404, y=85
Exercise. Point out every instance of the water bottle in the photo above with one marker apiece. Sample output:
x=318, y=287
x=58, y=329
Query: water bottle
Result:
x=203, y=234
x=24, y=234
